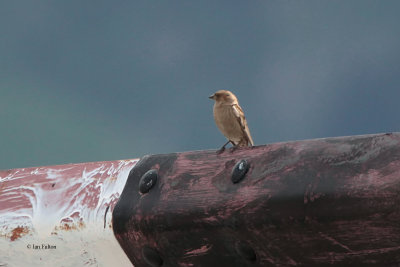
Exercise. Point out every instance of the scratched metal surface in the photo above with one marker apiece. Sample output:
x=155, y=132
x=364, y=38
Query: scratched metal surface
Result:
x=56, y=215
x=324, y=202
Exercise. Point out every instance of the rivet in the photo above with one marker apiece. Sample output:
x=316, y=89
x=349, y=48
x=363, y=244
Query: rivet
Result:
x=147, y=181
x=245, y=251
x=152, y=257
x=239, y=171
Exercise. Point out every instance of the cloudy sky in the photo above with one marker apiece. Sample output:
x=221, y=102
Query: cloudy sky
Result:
x=106, y=80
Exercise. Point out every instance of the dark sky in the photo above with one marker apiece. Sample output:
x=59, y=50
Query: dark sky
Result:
x=105, y=80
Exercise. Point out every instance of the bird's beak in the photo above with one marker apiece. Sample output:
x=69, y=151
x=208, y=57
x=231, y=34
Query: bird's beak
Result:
x=211, y=96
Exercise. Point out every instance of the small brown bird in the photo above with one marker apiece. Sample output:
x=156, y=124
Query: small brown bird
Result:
x=230, y=119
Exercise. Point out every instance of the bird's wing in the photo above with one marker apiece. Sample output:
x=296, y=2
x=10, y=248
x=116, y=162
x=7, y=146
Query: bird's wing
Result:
x=239, y=114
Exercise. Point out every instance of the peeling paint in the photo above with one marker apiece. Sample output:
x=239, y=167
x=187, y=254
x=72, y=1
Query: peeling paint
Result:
x=54, y=216
x=18, y=232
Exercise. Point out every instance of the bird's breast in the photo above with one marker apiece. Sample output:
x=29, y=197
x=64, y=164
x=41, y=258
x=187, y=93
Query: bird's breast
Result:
x=228, y=123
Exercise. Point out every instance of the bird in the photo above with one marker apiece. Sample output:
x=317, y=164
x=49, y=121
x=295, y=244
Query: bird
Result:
x=230, y=120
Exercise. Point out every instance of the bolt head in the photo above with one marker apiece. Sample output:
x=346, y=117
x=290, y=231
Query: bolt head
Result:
x=147, y=181
x=239, y=171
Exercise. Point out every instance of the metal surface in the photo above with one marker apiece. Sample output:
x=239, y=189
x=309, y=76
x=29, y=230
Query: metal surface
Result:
x=333, y=201
x=61, y=215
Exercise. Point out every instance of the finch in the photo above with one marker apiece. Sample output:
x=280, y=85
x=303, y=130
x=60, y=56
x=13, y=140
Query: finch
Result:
x=230, y=119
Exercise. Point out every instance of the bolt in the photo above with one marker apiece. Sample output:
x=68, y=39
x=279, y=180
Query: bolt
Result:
x=147, y=181
x=239, y=171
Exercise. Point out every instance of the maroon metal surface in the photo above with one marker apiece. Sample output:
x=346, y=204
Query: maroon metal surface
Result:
x=333, y=201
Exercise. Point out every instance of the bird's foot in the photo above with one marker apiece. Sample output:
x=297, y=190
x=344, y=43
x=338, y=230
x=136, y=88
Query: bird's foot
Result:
x=219, y=151
x=222, y=149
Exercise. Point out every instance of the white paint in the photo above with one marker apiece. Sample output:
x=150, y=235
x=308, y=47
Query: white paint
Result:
x=88, y=245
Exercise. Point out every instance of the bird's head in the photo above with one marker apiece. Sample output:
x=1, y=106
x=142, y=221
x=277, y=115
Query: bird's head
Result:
x=224, y=97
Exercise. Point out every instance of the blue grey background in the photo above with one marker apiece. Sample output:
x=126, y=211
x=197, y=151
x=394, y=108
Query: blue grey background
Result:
x=105, y=80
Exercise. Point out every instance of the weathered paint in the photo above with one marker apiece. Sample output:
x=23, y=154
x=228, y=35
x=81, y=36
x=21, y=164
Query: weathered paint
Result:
x=56, y=216
x=333, y=201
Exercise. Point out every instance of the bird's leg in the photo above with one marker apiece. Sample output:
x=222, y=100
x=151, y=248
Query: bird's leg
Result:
x=236, y=146
x=223, y=147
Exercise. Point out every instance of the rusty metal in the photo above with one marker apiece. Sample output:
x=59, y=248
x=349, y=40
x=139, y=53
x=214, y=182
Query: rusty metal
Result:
x=332, y=201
